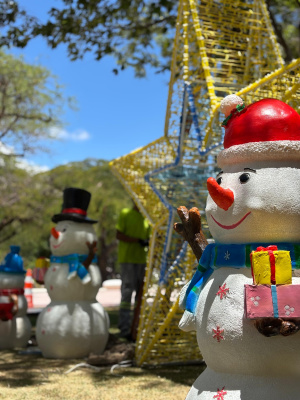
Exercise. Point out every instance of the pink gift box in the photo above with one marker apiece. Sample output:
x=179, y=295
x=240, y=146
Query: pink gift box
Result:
x=38, y=274
x=260, y=302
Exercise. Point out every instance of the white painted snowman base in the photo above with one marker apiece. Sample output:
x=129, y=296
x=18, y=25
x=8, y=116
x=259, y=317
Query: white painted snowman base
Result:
x=72, y=330
x=74, y=324
x=243, y=387
x=247, y=364
x=17, y=331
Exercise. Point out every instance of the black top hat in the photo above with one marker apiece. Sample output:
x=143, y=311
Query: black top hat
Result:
x=75, y=205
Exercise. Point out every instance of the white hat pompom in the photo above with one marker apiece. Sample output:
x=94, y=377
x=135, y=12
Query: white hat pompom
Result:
x=229, y=103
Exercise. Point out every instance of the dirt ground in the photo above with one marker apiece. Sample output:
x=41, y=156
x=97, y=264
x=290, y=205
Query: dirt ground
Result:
x=30, y=376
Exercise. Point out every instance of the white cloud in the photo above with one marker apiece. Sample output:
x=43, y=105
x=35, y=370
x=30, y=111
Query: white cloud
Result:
x=30, y=166
x=79, y=135
x=21, y=163
x=5, y=149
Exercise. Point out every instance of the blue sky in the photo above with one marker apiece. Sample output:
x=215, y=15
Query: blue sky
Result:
x=116, y=114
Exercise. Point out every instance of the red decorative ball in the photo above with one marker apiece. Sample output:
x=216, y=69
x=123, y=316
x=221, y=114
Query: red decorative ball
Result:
x=265, y=120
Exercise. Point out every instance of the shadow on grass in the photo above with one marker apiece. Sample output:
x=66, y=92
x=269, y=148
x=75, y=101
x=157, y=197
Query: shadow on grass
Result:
x=183, y=374
x=18, y=370
x=21, y=370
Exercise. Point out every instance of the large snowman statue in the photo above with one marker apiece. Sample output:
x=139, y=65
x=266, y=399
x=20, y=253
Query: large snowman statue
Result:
x=74, y=324
x=15, y=327
x=253, y=207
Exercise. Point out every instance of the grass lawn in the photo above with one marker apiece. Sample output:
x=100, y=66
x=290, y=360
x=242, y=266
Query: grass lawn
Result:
x=30, y=376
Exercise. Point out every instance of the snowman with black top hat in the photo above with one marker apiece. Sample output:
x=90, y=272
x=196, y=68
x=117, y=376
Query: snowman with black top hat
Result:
x=74, y=324
x=244, y=299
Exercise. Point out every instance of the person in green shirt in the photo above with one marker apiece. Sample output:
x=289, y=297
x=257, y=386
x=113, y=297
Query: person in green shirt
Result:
x=133, y=232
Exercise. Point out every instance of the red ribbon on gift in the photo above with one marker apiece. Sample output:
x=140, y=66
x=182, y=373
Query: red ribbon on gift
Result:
x=270, y=250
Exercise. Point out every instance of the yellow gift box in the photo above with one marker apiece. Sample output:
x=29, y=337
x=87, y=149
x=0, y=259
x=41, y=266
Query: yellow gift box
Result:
x=42, y=262
x=271, y=266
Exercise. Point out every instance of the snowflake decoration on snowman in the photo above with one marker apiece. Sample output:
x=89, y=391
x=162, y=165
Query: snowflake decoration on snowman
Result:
x=253, y=208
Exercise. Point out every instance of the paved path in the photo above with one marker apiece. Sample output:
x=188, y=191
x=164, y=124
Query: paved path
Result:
x=107, y=297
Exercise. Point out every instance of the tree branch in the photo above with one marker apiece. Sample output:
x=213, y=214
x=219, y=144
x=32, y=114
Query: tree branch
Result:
x=5, y=222
x=130, y=25
x=278, y=32
x=9, y=236
x=9, y=127
x=30, y=117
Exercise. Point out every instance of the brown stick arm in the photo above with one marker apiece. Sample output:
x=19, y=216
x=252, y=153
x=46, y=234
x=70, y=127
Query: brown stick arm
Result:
x=92, y=251
x=190, y=229
x=277, y=326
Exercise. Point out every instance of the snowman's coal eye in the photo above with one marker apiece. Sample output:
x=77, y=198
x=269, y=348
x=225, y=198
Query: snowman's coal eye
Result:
x=244, y=178
x=219, y=180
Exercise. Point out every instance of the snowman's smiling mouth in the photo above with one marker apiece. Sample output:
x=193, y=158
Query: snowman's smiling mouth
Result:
x=233, y=225
x=57, y=245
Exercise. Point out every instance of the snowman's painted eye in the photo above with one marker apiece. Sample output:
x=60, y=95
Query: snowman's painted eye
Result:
x=219, y=180
x=244, y=178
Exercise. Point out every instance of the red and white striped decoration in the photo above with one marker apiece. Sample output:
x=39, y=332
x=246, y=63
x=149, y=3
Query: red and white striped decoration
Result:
x=28, y=285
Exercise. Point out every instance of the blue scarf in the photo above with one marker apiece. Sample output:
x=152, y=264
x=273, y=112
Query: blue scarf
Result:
x=228, y=255
x=75, y=265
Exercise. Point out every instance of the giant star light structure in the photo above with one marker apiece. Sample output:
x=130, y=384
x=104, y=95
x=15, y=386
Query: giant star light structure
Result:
x=220, y=48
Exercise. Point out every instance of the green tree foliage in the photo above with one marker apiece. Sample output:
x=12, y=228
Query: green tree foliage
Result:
x=16, y=207
x=30, y=103
x=122, y=28
x=43, y=198
x=285, y=16
x=125, y=29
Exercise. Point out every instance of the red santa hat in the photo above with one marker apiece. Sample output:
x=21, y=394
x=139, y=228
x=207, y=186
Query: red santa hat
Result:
x=267, y=130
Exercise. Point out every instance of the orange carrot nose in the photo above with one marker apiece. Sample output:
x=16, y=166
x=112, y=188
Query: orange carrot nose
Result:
x=224, y=198
x=54, y=233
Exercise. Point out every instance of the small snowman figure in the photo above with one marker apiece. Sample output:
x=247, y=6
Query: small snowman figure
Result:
x=15, y=327
x=254, y=201
x=74, y=324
